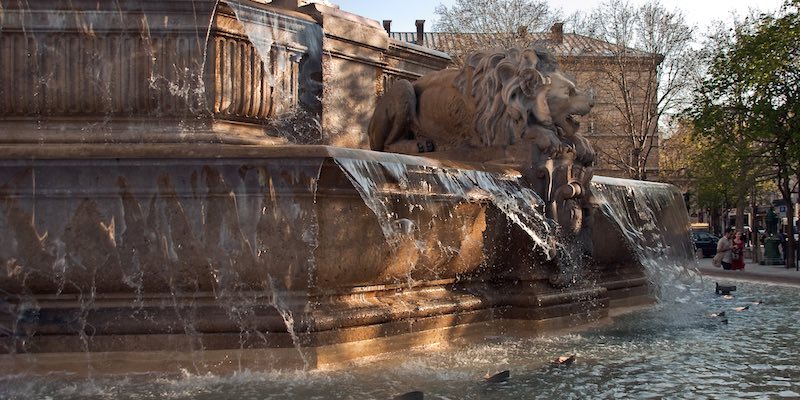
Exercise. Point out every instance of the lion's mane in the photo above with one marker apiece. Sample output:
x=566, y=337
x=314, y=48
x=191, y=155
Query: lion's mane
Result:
x=481, y=76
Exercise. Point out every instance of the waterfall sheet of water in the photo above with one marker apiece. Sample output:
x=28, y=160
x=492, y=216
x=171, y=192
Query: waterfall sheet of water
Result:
x=652, y=218
x=384, y=186
x=243, y=235
x=281, y=42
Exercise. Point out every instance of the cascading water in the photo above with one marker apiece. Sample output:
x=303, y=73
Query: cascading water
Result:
x=652, y=218
x=649, y=215
x=386, y=186
x=205, y=234
x=296, y=109
x=279, y=206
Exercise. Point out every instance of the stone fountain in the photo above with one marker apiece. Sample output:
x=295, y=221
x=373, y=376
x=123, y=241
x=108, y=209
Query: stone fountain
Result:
x=187, y=184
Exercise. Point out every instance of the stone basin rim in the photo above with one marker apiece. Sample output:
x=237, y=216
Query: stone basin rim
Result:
x=227, y=151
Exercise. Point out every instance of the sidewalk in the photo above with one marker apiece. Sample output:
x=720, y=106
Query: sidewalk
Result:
x=778, y=274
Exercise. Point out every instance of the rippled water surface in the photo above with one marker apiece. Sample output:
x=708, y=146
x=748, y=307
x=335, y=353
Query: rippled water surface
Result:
x=668, y=351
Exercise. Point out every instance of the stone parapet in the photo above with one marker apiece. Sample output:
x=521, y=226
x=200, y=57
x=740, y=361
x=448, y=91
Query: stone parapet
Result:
x=193, y=71
x=170, y=248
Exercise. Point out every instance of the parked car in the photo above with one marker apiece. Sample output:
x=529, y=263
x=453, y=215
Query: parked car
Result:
x=706, y=242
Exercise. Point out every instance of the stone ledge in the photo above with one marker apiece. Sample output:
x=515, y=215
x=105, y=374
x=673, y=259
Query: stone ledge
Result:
x=438, y=331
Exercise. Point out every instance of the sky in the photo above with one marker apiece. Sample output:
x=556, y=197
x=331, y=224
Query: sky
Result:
x=403, y=13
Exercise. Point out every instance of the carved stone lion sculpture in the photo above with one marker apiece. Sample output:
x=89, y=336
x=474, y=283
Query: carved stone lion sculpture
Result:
x=497, y=99
x=516, y=100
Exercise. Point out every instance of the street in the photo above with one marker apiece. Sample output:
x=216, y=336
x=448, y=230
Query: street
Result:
x=777, y=274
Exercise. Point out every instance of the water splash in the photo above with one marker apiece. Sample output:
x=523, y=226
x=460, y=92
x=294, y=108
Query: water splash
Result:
x=387, y=187
x=654, y=353
x=652, y=218
x=292, y=51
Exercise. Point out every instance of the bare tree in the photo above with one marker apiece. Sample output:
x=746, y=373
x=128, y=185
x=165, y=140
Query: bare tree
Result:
x=643, y=77
x=470, y=25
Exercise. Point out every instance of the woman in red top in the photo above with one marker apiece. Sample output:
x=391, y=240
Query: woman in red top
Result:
x=737, y=252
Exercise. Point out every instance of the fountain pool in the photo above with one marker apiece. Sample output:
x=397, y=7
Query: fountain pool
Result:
x=673, y=350
x=188, y=210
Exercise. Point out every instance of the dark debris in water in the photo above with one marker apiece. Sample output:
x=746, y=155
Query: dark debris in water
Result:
x=499, y=377
x=413, y=395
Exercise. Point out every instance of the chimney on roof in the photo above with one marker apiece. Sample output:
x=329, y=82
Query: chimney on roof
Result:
x=387, y=24
x=420, y=32
x=557, y=32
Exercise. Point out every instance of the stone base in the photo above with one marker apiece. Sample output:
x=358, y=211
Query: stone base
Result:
x=214, y=256
x=338, y=331
x=333, y=356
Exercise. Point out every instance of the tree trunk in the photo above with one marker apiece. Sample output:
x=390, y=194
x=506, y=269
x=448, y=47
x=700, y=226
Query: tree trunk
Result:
x=715, y=227
x=741, y=204
x=790, y=255
x=754, y=232
x=791, y=244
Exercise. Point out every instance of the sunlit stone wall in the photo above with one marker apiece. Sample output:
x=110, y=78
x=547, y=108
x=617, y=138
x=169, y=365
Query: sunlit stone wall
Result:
x=194, y=71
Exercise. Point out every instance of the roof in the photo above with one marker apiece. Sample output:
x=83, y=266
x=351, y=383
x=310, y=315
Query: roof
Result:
x=571, y=45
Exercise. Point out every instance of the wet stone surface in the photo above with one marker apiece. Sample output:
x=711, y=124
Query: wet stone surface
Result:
x=675, y=350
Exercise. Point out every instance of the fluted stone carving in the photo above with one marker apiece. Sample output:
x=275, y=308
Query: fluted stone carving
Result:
x=74, y=74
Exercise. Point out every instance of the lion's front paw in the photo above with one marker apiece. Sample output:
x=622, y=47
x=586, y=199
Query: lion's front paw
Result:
x=584, y=152
x=547, y=141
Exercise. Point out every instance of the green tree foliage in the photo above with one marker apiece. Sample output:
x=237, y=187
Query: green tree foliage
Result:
x=748, y=106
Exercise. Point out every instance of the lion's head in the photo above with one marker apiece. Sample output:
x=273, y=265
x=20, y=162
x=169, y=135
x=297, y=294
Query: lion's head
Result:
x=521, y=94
